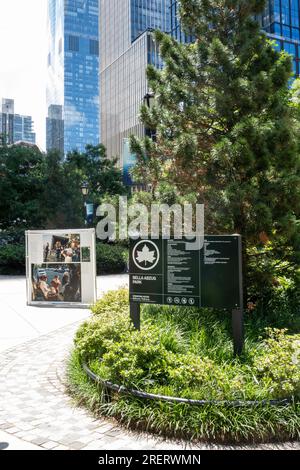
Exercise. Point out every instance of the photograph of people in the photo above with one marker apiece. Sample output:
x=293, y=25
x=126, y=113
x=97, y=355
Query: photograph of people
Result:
x=63, y=248
x=48, y=292
x=56, y=283
x=46, y=251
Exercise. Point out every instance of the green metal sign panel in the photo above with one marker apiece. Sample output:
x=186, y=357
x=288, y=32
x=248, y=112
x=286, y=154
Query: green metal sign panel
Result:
x=173, y=272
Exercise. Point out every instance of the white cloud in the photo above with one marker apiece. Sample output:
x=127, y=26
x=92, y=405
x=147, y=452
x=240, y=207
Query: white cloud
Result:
x=23, y=58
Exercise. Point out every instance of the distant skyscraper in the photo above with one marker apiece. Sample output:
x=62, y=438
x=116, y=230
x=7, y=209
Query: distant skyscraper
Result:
x=73, y=74
x=126, y=48
x=14, y=127
x=55, y=129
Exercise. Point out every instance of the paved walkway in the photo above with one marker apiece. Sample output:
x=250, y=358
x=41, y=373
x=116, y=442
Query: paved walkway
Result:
x=19, y=322
x=35, y=411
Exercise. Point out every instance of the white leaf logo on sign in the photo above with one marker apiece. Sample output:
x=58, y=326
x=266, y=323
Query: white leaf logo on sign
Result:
x=145, y=255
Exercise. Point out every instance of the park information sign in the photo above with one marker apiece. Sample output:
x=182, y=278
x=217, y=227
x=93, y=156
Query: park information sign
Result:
x=172, y=272
x=169, y=272
x=61, y=268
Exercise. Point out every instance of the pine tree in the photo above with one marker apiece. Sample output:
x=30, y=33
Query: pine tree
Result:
x=224, y=124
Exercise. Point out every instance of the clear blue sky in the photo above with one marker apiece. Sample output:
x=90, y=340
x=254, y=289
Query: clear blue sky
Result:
x=23, y=58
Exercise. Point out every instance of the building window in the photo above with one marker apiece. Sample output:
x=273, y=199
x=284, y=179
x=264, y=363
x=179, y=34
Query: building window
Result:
x=74, y=43
x=94, y=47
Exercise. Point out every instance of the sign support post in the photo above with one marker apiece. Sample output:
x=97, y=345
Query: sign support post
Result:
x=238, y=313
x=238, y=331
x=135, y=315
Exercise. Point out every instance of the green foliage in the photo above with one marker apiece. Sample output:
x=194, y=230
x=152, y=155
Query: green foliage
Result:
x=107, y=325
x=63, y=202
x=100, y=172
x=12, y=259
x=188, y=353
x=21, y=188
x=44, y=191
x=278, y=366
x=111, y=259
x=227, y=126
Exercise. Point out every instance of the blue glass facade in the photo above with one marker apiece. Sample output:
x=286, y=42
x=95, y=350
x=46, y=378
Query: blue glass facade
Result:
x=280, y=20
x=149, y=14
x=176, y=30
x=73, y=73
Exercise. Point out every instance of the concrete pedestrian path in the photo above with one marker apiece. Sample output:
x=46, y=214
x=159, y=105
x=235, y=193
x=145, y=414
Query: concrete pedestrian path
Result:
x=20, y=323
x=35, y=411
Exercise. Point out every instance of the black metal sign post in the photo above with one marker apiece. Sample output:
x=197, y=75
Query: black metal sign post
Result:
x=238, y=314
x=135, y=314
x=170, y=272
x=238, y=331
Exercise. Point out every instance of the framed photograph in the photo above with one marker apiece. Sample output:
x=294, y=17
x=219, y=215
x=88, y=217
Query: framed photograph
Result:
x=61, y=268
x=56, y=282
x=61, y=248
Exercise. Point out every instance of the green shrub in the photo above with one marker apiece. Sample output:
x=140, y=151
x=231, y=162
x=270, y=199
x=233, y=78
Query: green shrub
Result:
x=114, y=302
x=110, y=322
x=278, y=366
x=12, y=259
x=111, y=259
x=174, y=355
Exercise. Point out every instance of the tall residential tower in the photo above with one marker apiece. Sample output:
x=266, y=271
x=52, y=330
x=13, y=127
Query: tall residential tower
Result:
x=73, y=74
x=126, y=48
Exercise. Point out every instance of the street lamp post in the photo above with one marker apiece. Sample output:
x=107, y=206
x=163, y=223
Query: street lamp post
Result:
x=149, y=100
x=85, y=192
x=85, y=189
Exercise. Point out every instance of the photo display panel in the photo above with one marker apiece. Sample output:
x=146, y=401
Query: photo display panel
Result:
x=61, y=267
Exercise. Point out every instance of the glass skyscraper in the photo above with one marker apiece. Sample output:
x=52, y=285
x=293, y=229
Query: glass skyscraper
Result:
x=15, y=127
x=73, y=74
x=176, y=30
x=126, y=48
x=280, y=20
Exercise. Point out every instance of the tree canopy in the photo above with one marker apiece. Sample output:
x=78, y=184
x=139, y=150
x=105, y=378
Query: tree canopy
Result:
x=225, y=126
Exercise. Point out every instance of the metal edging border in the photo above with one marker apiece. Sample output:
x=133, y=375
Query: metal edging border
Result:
x=150, y=396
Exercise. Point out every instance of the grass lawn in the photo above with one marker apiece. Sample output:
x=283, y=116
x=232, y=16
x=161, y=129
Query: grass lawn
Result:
x=184, y=352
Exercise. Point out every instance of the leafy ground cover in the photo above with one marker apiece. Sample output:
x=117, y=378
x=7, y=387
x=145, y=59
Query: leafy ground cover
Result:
x=187, y=353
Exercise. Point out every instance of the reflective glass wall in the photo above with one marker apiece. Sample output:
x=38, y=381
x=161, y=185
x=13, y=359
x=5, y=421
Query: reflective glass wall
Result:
x=149, y=14
x=281, y=20
x=176, y=30
x=73, y=72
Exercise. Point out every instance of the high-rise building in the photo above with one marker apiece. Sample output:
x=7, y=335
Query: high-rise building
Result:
x=126, y=48
x=55, y=128
x=176, y=29
x=280, y=20
x=73, y=74
x=15, y=127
